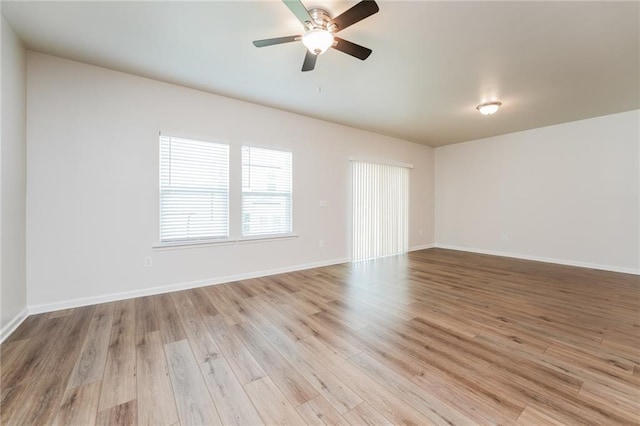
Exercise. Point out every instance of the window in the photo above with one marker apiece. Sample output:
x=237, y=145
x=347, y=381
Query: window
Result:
x=380, y=205
x=194, y=190
x=266, y=192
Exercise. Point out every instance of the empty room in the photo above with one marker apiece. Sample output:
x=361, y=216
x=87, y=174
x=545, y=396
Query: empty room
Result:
x=331, y=212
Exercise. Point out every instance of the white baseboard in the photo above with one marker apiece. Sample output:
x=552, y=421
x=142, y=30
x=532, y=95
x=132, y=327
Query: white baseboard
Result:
x=75, y=303
x=422, y=247
x=13, y=324
x=542, y=259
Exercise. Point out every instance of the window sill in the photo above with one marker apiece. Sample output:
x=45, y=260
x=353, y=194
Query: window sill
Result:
x=224, y=242
x=263, y=238
x=193, y=244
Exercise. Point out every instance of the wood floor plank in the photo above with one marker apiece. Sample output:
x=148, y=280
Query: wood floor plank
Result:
x=170, y=325
x=380, y=396
x=364, y=414
x=12, y=356
x=612, y=398
x=385, y=400
x=90, y=365
x=562, y=404
x=193, y=401
x=9, y=409
x=235, y=352
x=293, y=329
x=434, y=345
x=597, y=364
x=342, y=316
x=622, y=349
x=272, y=405
x=604, y=382
x=201, y=302
x=623, y=407
x=79, y=405
x=334, y=391
x=28, y=363
x=292, y=384
x=42, y=380
x=339, y=343
x=378, y=346
x=119, y=383
x=301, y=306
x=232, y=402
x=322, y=350
x=229, y=397
x=224, y=304
x=26, y=405
x=319, y=412
x=125, y=414
x=436, y=410
x=533, y=417
x=156, y=404
x=147, y=319
x=245, y=288
x=472, y=397
x=194, y=323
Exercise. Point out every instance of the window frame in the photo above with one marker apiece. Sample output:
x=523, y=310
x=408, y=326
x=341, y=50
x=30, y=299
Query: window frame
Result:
x=198, y=241
x=270, y=236
x=234, y=200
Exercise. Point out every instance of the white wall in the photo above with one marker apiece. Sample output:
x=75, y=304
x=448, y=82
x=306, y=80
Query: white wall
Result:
x=93, y=182
x=13, y=291
x=567, y=193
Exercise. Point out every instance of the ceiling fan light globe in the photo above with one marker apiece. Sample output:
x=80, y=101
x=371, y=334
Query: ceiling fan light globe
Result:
x=317, y=40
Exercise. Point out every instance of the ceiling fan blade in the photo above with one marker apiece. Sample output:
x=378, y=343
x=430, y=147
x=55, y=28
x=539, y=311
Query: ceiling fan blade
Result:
x=309, y=61
x=352, y=49
x=299, y=10
x=277, y=40
x=357, y=13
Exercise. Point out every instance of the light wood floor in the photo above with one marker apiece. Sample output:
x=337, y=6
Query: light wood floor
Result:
x=433, y=337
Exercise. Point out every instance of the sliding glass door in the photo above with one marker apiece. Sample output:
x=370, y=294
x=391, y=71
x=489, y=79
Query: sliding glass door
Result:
x=380, y=208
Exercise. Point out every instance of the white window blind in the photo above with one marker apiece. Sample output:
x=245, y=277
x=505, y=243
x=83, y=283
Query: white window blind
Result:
x=266, y=191
x=380, y=204
x=194, y=190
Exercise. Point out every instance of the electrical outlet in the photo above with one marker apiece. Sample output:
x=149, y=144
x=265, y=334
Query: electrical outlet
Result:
x=321, y=243
x=323, y=204
x=505, y=237
x=148, y=261
x=420, y=232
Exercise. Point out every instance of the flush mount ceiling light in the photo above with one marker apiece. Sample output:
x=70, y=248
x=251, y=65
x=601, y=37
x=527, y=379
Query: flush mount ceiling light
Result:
x=317, y=40
x=489, y=108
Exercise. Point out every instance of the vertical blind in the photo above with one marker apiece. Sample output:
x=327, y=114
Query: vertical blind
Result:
x=266, y=191
x=194, y=190
x=380, y=205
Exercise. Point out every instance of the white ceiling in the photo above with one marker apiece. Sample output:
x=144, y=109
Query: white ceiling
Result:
x=432, y=62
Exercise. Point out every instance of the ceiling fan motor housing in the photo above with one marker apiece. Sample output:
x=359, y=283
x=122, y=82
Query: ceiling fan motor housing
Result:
x=321, y=19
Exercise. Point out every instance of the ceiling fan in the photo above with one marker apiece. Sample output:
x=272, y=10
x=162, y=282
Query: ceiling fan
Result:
x=319, y=30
